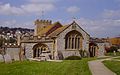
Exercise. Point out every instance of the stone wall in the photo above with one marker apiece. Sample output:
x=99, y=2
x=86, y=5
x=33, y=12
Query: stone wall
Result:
x=101, y=50
x=14, y=53
x=29, y=48
x=70, y=53
x=61, y=41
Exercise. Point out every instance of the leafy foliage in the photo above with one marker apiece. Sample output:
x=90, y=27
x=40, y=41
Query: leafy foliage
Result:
x=2, y=40
x=111, y=49
x=12, y=40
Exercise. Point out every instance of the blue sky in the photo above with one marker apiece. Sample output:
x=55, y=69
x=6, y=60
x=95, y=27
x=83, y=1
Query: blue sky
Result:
x=100, y=18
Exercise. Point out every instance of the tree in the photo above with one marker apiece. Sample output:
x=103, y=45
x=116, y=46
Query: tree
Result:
x=12, y=40
x=2, y=49
x=1, y=41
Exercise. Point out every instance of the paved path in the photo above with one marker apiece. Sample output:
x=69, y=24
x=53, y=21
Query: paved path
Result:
x=98, y=68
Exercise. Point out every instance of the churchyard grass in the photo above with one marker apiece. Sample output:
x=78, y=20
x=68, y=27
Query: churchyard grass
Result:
x=67, y=67
x=117, y=58
x=113, y=66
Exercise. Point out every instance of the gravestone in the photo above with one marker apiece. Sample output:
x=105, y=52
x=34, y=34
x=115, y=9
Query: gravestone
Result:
x=7, y=58
x=114, y=52
x=1, y=58
x=118, y=50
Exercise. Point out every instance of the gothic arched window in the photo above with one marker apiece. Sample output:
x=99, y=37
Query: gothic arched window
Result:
x=73, y=40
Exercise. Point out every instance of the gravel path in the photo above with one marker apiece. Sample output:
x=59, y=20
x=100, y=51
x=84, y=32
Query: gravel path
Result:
x=98, y=68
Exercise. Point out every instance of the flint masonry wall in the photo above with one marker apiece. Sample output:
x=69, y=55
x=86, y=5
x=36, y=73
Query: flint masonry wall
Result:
x=61, y=42
x=29, y=48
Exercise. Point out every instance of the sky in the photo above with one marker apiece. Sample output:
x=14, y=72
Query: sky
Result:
x=99, y=18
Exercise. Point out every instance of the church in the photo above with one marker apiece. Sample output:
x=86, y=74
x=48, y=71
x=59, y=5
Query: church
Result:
x=55, y=41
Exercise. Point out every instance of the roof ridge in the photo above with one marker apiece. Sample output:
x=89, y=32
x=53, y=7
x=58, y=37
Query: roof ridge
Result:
x=58, y=31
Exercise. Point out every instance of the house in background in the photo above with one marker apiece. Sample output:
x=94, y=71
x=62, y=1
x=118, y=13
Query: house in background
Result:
x=115, y=41
x=97, y=46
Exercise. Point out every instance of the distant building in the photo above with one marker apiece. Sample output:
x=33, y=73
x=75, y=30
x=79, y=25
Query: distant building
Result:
x=97, y=46
x=115, y=41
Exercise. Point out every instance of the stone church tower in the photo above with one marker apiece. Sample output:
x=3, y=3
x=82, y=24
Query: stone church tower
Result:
x=39, y=24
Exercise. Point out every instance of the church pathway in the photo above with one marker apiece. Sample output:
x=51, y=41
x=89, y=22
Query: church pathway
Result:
x=98, y=68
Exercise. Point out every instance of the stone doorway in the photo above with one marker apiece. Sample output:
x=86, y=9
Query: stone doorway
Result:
x=93, y=49
x=40, y=49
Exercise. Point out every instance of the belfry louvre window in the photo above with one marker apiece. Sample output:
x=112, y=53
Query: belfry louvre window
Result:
x=73, y=40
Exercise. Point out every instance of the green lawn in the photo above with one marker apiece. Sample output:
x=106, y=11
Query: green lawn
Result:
x=113, y=65
x=117, y=58
x=67, y=67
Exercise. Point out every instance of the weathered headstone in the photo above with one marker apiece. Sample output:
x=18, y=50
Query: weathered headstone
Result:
x=7, y=58
x=118, y=50
x=1, y=58
x=85, y=54
x=47, y=57
x=114, y=52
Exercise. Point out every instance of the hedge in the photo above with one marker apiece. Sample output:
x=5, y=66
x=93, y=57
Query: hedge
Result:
x=73, y=58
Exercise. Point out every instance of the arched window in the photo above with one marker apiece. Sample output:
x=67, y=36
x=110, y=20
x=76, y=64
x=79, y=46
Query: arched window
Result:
x=73, y=40
x=38, y=49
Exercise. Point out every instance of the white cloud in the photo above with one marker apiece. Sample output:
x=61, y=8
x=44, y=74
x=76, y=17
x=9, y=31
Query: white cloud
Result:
x=42, y=1
x=100, y=28
x=14, y=23
x=107, y=25
x=73, y=9
x=37, y=8
x=7, y=9
x=111, y=14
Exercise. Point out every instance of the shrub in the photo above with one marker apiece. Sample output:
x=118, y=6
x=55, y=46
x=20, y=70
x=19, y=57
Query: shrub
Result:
x=113, y=48
x=73, y=58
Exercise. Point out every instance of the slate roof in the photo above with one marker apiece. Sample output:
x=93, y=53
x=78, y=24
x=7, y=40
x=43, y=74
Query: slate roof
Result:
x=58, y=31
x=44, y=30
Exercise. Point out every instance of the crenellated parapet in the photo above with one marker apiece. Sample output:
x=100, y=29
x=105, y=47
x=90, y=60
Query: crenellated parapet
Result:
x=44, y=22
x=39, y=24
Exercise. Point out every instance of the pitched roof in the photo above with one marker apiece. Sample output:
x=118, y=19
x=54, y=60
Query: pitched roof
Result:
x=80, y=27
x=58, y=31
x=44, y=30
